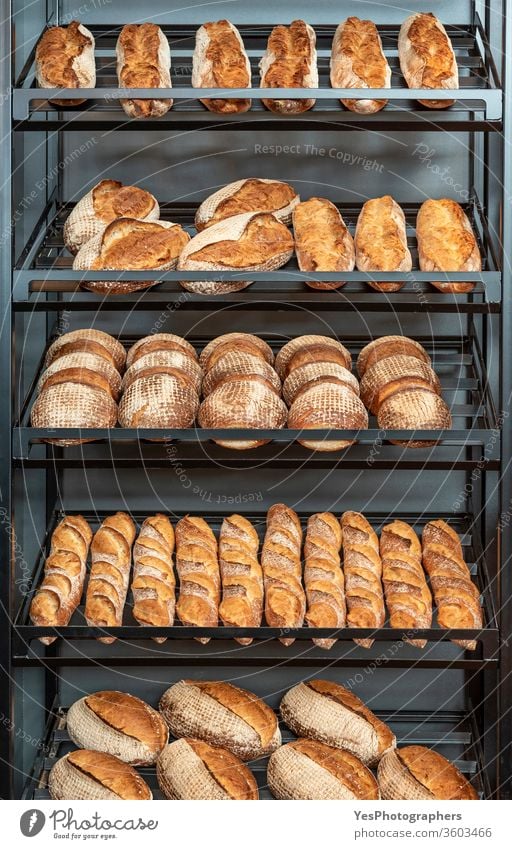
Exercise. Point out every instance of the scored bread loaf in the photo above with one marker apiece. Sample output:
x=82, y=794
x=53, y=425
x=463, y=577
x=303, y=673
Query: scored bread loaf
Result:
x=358, y=61
x=143, y=61
x=323, y=578
x=233, y=362
x=307, y=769
x=327, y=712
x=389, y=346
x=65, y=59
x=154, y=584
x=84, y=774
x=312, y=373
x=192, y=769
x=197, y=564
x=235, y=342
x=118, y=724
x=414, y=409
x=288, y=351
x=362, y=567
x=222, y=715
x=111, y=551
x=165, y=362
x=322, y=240
x=86, y=368
x=220, y=61
x=290, y=61
x=285, y=599
x=418, y=773
x=87, y=340
x=446, y=242
x=252, y=194
x=74, y=404
x=60, y=591
x=242, y=577
x=387, y=376
x=159, y=400
x=381, y=240
x=327, y=405
x=105, y=202
x=426, y=55
x=159, y=342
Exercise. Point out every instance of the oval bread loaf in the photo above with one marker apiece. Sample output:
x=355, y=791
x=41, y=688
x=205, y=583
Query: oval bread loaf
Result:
x=322, y=240
x=154, y=583
x=290, y=61
x=192, y=769
x=426, y=55
x=85, y=774
x=159, y=400
x=65, y=59
x=254, y=194
x=144, y=61
x=418, y=773
x=220, y=61
x=446, y=242
x=381, y=241
x=358, y=61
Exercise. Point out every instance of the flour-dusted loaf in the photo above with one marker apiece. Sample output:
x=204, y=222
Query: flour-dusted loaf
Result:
x=253, y=194
x=91, y=369
x=327, y=712
x=106, y=201
x=308, y=769
x=234, y=342
x=362, y=567
x=390, y=374
x=165, y=361
x=238, y=362
x=143, y=61
x=87, y=340
x=285, y=599
x=414, y=409
x=192, y=769
x=389, y=346
x=316, y=372
x=322, y=240
x=118, y=724
x=290, y=61
x=154, y=583
x=65, y=59
x=300, y=343
x=220, y=61
x=242, y=576
x=426, y=55
x=85, y=774
x=328, y=406
x=358, y=61
x=159, y=342
x=446, y=242
x=222, y=715
x=197, y=564
x=381, y=240
x=323, y=577
x=420, y=774
x=74, y=405
x=161, y=399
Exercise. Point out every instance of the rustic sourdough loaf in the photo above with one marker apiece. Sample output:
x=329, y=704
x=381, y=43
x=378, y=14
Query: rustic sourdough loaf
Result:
x=418, y=773
x=220, y=61
x=95, y=776
x=288, y=351
x=235, y=342
x=197, y=563
x=253, y=194
x=192, y=769
x=426, y=56
x=290, y=61
x=322, y=240
x=389, y=346
x=358, y=61
x=242, y=577
x=159, y=342
x=446, y=242
x=87, y=340
x=65, y=59
x=154, y=583
x=381, y=240
x=242, y=401
x=143, y=61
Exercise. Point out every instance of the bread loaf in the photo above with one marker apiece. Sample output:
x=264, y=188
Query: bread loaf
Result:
x=85, y=368
x=111, y=551
x=327, y=712
x=234, y=342
x=89, y=341
x=143, y=61
x=389, y=346
x=154, y=584
x=313, y=373
x=285, y=599
x=322, y=240
x=327, y=405
x=159, y=342
x=417, y=773
x=220, y=61
x=65, y=59
x=108, y=200
x=290, y=61
x=171, y=362
x=323, y=578
x=118, y=724
x=414, y=409
x=222, y=715
x=159, y=400
x=235, y=362
x=381, y=240
x=60, y=591
x=362, y=567
x=389, y=375
x=197, y=564
x=242, y=577
x=307, y=769
x=192, y=769
x=426, y=55
x=73, y=405
x=250, y=195
x=241, y=401
x=288, y=351
x=358, y=61
x=95, y=776
x=446, y=242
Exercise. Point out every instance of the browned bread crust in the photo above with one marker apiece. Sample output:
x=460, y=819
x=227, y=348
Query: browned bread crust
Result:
x=290, y=62
x=357, y=61
x=251, y=195
x=143, y=62
x=109, y=772
x=381, y=240
x=322, y=240
x=263, y=237
x=415, y=772
x=389, y=346
x=58, y=56
x=446, y=242
x=220, y=61
x=193, y=769
x=426, y=56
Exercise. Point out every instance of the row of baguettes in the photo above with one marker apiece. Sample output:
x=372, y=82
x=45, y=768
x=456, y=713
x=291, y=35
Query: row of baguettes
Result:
x=219, y=727
x=230, y=581
x=65, y=59
x=244, y=225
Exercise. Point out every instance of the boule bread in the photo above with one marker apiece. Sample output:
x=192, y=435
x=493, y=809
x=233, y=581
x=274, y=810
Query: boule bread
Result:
x=74, y=405
x=159, y=400
x=192, y=769
x=159, y=342
x=235, y=342
x=414, y=409
x=358, y=61
x=65, y=59
x=381, y=240
x=96, y=776
x=316, y=372
x=286, y=353
x=143, y=61
x=327, y=406
x=165, y=362
x=254, y=194
x=426, y=55
x=241, y=401
x=388, y=375
x=81, y=364
x=290, y=61
x=446, y=242
x=88, y=340
x=220, y=61
x=420, y=774
x=154, y=583
x=320, y=353
x=241, y=363
x=322, y=240
x=389, y=346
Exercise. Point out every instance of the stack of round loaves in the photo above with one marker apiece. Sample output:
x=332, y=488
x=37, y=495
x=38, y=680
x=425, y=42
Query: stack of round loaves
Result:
x=320, y=388
x=80, y=384
x=240, y=387
x=399, y=385
x=162, y=383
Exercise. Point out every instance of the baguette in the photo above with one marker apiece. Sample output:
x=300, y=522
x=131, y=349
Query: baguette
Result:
x=197, y=564
x=65, y=59
x=250, y=195
x=418, y=773
x=363, y=572
x=358, y=61
x=290, y=61
x=323, y=578
x=111, y=550
x=154, y=584
x=446, y=242
x=192, y=769
x=87, y=340
x=322, y=240
x=220, y=61
x=381, y=240
x=242, y=577
x=95, y=776
x=426, y=55
x=143, y=61
x=60, y=591
x=285, y=599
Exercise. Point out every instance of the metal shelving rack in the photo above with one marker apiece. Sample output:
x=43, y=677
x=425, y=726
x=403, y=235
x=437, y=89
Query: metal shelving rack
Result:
x=43, y=282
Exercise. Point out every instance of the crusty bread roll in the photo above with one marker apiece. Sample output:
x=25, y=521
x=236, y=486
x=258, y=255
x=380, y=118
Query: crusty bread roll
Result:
x=417, y=773
x=362, y=568
x=143, y=61
x=381, y=240
x=323, y=578
x=252, y=241
x=159, y=342
x=290, y=61
x=108, y=200
x=75, y=405
x=234, y=362
x=327, y=405
x=414, y=409
x=426, y=55
x=325, y=711
x=446, y=242
x=65, y=59
x=235, y=342
x=222, y=715
x=60, y=591
x=192, y=769
x=358, y=61
x=253, y=194
x=288, y=351
x=87, y=340
x=220, y=61
x=95, y=776
x=322, y=240
x=159, y=400
x=197, y=564
x=285, y=599
x=242, y=577
x=389, y=346
x=316, y=372
x=388, y=375
x=154, y=584
x=86, y=368
x=118, y=724
x=111, y=557
x=165, y=362
x=307, y=769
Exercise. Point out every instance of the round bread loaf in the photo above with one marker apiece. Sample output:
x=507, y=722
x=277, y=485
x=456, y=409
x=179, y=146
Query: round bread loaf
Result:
x=73, y=405
x=234, y=362
x=290, y=349
x=192, y=769
x=387, y=376
x=327, y=405
x=85, y=774
x=87, y=340
x=253, y=194
x=313, y=373
x=159, y=400
x=159, y=342
x=389, y=346
x=81, y=360
x=165, y=362
x=414, y=409
x=235, y=342
x=242, y=402
x=418, y=773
